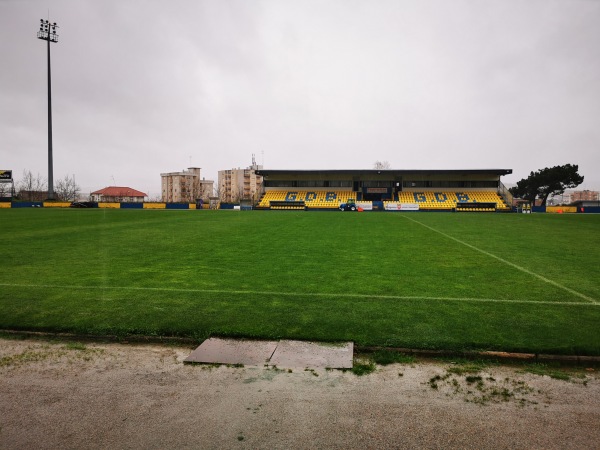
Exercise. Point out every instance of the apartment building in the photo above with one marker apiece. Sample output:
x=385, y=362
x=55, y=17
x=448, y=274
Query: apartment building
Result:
x=585, y=195
x=185, y=186
x=236, y=185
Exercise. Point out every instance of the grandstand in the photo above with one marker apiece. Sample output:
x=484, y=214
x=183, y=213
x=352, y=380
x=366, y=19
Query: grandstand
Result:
x=284, y=199
x=433, y=190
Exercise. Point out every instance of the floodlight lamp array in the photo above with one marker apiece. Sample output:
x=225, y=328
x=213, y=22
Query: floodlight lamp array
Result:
x=47, y=31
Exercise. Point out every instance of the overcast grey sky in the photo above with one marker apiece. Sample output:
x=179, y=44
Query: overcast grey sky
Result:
x=144, y=87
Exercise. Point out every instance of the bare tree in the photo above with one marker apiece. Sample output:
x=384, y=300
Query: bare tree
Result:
x=234, y=195
x=32, y=187
x=6, y=189
x=237, y=194
x=218, y=191
x=66, y=189
x=382, y=165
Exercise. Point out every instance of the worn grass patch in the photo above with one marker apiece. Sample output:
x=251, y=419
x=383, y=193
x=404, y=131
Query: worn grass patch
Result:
x=476, y=387
x=384, y=357
x=49, y=352
x=363, y=366
x=550, y=370
x=462, y=366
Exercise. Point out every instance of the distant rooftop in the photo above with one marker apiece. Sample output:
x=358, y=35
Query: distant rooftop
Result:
x=119, y=191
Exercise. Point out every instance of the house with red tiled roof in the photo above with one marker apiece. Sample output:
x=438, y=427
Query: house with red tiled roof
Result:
x=118, y=194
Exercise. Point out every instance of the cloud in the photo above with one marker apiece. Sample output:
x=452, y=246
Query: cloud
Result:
x=141, y=88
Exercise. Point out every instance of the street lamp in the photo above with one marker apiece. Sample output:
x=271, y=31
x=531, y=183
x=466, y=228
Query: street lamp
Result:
x=47, y=32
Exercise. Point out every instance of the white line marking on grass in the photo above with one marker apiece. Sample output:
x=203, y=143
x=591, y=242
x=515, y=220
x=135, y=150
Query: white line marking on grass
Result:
x=522, y=269
x=300, y=294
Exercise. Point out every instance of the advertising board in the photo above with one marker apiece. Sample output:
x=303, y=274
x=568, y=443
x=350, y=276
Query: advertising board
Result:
x=393, y=206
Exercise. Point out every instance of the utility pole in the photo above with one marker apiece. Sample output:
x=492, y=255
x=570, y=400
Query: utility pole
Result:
x=47, y=33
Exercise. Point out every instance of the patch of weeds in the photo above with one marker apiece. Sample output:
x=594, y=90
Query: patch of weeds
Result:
x=503, y=393
x=433, y=381
x=520, y=387
x=290, y=370
x=363, y=368
x=470, y=379
x=22, y=358
x=75, y=346
x=209, y=366
x=236, y=365
x=545, y=369
x=456, y=386
x=473, y=378
x=385, y=357
x=312, y=371
x=558, y=375
x=400, y=374
x=481, y=389
x=461, y=366
x=44, y=352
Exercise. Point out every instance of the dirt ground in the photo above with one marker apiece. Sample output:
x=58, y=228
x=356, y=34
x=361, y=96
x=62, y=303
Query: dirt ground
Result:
x=71, y=395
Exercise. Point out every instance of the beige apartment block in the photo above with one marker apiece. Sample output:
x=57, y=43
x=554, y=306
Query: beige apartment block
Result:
x=185, y=186
x=236, y=185
x=585, y=195
x=239, y=184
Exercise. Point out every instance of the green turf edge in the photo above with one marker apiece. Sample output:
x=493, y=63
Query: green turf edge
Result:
x=531, y=328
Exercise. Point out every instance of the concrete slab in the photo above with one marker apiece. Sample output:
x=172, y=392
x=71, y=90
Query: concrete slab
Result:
x=299, y=354
x=233, y=351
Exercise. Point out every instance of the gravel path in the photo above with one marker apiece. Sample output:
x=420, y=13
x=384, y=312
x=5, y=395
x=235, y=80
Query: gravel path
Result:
x=60, y=395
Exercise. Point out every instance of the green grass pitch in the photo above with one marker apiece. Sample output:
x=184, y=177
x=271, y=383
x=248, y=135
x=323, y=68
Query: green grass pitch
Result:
x=452, y=281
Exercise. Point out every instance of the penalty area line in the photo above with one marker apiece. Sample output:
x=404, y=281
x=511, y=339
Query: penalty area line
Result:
x=511, y=264
x=299, y=294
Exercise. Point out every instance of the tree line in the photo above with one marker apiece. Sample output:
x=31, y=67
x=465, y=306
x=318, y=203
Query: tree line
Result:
x=35, y=188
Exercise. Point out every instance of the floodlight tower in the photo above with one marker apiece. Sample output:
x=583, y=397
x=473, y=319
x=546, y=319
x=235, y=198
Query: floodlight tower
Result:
x=47, y=33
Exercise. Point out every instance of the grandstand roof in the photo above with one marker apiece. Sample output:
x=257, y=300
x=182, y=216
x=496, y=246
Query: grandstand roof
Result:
x=268, y=172
x=119, y=191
